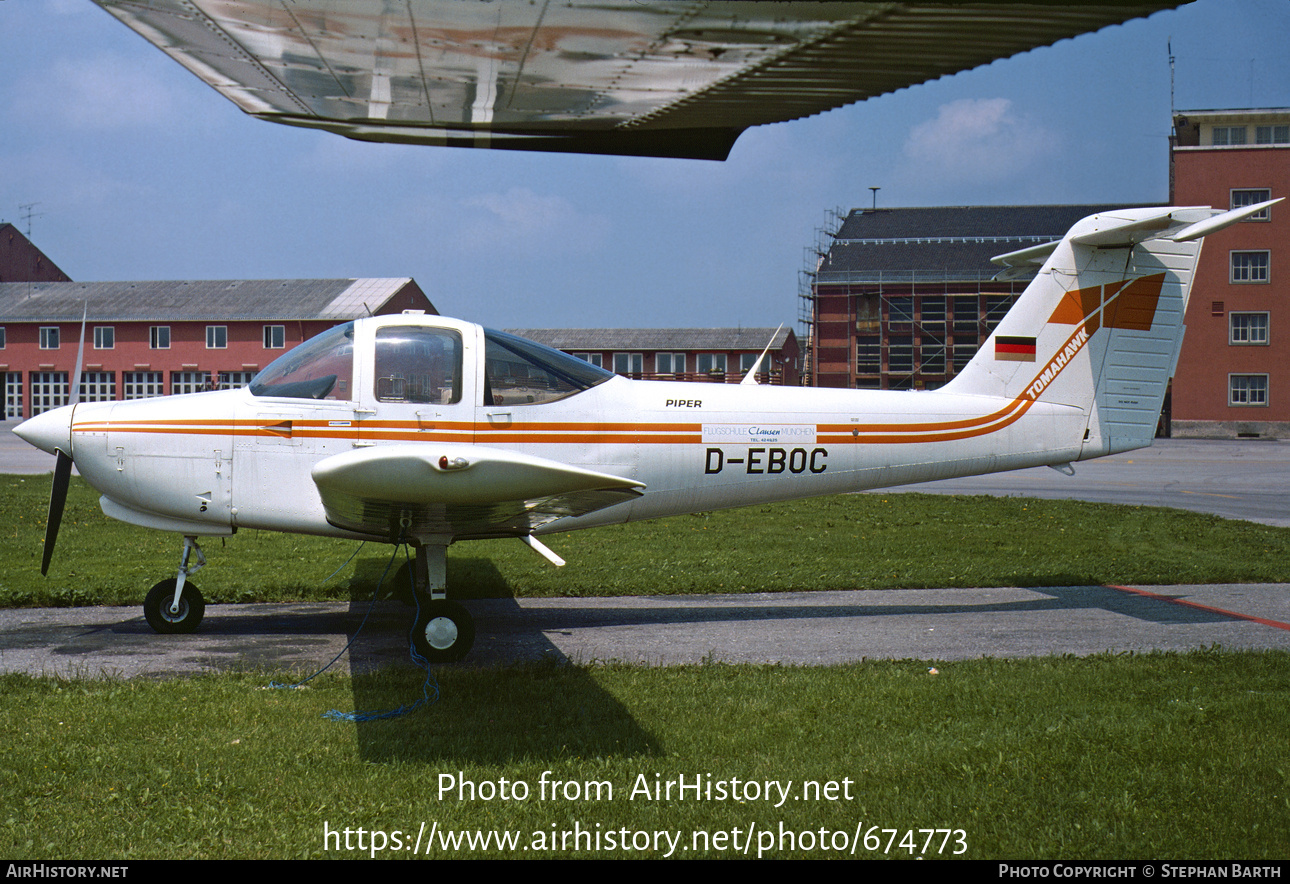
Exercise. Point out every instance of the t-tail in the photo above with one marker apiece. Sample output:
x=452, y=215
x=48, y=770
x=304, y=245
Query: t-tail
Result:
x=1101, y=325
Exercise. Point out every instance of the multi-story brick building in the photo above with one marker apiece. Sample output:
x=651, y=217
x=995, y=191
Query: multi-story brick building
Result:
x=1233, y=376
x=903, y=298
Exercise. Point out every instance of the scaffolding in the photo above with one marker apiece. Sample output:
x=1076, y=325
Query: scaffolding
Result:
x=904, y=328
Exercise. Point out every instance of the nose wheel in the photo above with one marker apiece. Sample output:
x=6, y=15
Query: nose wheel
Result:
x=159, y=604
x=175, y=606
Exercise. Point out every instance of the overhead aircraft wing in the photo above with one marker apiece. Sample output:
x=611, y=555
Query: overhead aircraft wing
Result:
x=640, y=77
x=458, y=491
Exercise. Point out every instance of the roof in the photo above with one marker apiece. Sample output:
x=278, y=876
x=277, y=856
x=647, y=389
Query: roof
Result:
x=946, y=239
x=657, y=338
x=1240, y=113
x=232, y=300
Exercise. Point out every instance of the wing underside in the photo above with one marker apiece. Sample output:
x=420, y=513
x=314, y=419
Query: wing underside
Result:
x=459, y=492
x=588, y=76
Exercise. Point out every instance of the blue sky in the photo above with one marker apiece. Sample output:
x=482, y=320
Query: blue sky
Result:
x=139, y=171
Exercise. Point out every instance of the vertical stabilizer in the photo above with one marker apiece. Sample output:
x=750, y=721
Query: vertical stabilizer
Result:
x=1101, y=325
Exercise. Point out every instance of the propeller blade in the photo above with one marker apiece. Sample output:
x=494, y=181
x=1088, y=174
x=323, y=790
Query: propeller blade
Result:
x=57, y=498
x=74, y=394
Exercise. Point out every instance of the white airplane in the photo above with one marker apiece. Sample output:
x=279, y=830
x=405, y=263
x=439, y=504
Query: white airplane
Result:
x=430, y=431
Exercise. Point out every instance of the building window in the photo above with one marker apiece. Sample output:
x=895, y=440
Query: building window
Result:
x=748, y=360
x=1247, y=389
x=1248, y=328
x=48, y=390
x=159, y=337
x=104, y=337
x=216, y=337
x=900, y=354
x=1229, y=135
x=710, y=363
x=232, y=380
x=868, y=354
x=1272, y=134
x=1250, y=266
x=49, y=337
x=275, y=337
x=900, y=309
x=629, y=363
x=933, y=357
x=97, y=386
x=669, y=363
x=142, y=384
x=596, y=359
x=1250, y=197
x=967, y=314
x=190, y=381
x=996, y=307
x=1, y=337
x=12, y=394
x=932, y=312
x=963, y=354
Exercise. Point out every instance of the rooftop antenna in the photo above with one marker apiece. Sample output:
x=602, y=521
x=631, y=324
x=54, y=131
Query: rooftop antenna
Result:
x=1169, y=46
x=875, y=197
x=28, y=214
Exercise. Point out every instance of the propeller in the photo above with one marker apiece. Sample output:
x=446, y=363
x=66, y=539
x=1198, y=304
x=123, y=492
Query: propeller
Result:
x=63, y=464
x=57, y=498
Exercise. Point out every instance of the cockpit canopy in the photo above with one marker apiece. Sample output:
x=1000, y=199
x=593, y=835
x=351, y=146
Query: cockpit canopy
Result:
x=425, y=364
x=518, y=371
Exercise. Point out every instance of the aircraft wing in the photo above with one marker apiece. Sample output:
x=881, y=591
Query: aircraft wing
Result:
x=458, y=491
x=639, y=77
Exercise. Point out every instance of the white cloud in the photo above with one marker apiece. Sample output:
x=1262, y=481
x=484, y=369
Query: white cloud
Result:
x=520, y=220
x=976, y=141
x=96, y=93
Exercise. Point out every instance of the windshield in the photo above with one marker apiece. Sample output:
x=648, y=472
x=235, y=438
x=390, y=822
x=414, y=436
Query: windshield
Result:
x=520, y=372
x=320, y=368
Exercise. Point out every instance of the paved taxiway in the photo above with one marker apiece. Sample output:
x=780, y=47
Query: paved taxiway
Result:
x=1234, y=479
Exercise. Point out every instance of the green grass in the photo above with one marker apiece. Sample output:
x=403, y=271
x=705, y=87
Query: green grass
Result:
x=1146, y=756
x=864, y=541
x=1162, y=755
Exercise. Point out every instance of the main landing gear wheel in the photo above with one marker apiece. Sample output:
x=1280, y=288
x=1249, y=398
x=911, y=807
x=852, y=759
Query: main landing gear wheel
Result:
x=156, y=608
x=444, y=631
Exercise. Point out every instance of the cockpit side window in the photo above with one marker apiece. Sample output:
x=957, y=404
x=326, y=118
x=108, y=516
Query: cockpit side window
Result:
x=320, y=368
x=520, y=372
x=416, y=364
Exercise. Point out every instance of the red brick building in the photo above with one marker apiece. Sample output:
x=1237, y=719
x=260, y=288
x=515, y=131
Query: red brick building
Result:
x=1233, y=376
x=721, y=355
x=155, y=338
x=903, y=298
x=21, y=261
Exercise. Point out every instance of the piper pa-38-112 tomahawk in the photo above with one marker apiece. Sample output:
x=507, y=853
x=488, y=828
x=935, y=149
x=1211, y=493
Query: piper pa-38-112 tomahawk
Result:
x=428, y=430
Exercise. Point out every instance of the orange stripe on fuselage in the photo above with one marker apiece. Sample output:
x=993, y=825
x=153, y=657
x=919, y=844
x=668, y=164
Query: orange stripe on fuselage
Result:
x=576, y=432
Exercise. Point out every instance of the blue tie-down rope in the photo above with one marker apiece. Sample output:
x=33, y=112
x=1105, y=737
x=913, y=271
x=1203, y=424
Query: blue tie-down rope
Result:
x=428, y=687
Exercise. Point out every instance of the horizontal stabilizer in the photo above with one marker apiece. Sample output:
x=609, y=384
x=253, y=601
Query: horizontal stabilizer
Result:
x=1031, y=256
x=1218, y=222
x=1117, y=232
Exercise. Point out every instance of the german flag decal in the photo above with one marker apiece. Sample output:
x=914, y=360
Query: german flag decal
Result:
x=1013, y=349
